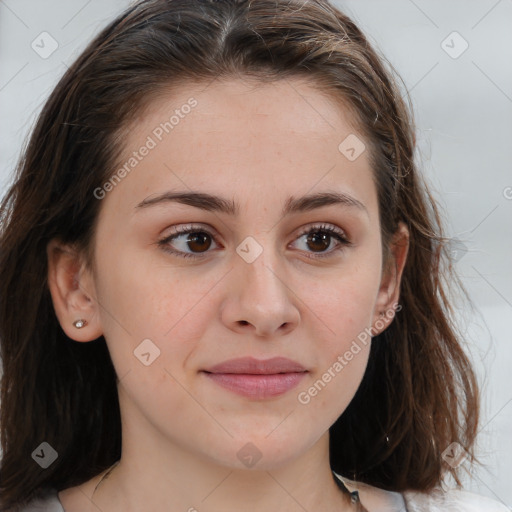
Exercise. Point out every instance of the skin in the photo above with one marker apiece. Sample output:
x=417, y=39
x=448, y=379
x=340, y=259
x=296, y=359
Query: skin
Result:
x=255, y=144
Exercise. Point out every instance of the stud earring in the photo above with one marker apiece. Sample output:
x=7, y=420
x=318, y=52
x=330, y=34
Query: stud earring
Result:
x=80, y=323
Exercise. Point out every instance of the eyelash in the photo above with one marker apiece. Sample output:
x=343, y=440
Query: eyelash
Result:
x=336, y=233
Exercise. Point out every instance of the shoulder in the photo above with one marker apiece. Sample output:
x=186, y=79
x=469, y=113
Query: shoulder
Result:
x=48, y=502
x=453, y=500
x=438, y=500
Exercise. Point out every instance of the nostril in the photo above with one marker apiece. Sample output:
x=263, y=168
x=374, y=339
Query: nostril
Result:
x=243, y=322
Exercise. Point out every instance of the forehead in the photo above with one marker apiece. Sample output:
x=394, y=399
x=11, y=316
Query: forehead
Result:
x=241, y=135
x=293, y=105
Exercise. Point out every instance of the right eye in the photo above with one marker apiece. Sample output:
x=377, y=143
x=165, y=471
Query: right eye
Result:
x=188, y=242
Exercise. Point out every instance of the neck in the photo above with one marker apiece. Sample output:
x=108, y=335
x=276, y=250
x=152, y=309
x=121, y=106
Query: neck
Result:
x=159, y=473
x=147, y=478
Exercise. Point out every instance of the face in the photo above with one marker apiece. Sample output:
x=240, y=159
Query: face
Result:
x=241, y=231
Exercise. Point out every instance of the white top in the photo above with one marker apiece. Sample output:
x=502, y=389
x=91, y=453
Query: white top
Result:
x=374, y=499
x=452, y=500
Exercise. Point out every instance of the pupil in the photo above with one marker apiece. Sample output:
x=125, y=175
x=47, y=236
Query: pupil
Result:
x=322, y=239
x=202, y=241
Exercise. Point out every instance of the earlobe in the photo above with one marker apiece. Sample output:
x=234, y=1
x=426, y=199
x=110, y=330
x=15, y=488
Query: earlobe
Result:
x=72, y=290
x=389, y=292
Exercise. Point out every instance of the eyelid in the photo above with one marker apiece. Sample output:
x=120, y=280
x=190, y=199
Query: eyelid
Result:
x=187, y=228
x=323, y=226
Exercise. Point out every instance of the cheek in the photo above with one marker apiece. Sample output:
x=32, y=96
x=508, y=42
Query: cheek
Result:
x=332, y=388
x=342, y=340
x=143, y=299
x=341, y=312
x=344, y=302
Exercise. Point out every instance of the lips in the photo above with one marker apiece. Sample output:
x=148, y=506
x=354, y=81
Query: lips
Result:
x=250, y=365
x=257, y=379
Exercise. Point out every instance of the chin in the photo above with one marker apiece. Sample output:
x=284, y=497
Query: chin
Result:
x=259, y=453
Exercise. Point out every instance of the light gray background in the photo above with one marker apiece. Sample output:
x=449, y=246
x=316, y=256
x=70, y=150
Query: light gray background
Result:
x=463, y=110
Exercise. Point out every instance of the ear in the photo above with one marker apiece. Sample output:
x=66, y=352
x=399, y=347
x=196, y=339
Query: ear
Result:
x=389, y=290
x=72, y=290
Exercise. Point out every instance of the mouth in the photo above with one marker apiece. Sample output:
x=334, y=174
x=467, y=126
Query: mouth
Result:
x=257, y=379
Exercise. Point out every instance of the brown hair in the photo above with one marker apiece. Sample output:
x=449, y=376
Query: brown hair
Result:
x=419, y=392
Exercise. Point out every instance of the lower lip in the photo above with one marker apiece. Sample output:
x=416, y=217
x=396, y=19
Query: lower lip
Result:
x=257, y=386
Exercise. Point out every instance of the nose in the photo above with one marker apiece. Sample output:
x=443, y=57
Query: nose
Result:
x=259, y=300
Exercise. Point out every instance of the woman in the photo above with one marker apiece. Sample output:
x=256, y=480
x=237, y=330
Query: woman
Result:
x=223, y=282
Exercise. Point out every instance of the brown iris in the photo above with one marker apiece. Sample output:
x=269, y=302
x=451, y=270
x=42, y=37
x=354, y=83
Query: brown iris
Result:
x=319, y=241
x=199, y=242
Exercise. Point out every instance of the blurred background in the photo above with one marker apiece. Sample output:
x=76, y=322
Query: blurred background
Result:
x=455, y=59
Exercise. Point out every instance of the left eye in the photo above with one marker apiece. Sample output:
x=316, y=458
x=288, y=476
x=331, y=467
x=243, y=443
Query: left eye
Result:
x=322, y=240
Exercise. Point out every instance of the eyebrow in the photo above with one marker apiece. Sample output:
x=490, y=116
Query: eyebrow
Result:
x=212, y=203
